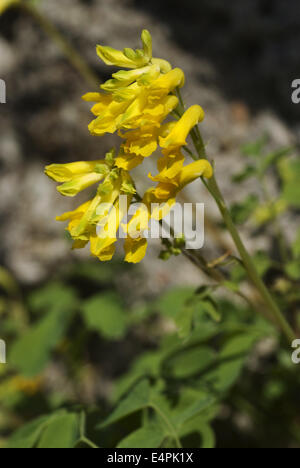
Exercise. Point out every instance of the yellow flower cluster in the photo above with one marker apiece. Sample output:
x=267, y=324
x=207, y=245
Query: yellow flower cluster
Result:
x=135, y=103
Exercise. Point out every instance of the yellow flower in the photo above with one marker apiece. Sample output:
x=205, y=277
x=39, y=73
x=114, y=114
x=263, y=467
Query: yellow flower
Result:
x=135, y=244
x=181, y=130
x=128, y=58
x=128, y=161
x=168, y=188
x=137, y=96
x=148, y=109
x=135, y=102
x=143, y=142
x=173, y=137
x=97, y=221
x=189, y=173
x=77, y=176
x=123, y=78
x=74, y=218
x=5, y=4
x=132, y=59
x=135, y=249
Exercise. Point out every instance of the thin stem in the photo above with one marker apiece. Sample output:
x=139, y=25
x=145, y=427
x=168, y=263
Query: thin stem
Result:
x=185, y=148
x=69, y=51
x=249, y=263
x=246, y=258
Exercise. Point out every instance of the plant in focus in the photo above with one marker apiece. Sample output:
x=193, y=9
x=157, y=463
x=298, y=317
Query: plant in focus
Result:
x=183, y=353
x=135, y=103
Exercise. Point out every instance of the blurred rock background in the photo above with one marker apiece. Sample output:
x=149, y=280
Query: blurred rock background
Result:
x=239, y=58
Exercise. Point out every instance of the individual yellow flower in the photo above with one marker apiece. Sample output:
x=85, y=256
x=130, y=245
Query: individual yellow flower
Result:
x=135, y=249
x=173, y=138
x=178, y=135
x=168, y=188
x=128, y=161
x=129, y=58
x=123, y=79
x=77, y=176
x=135, y=244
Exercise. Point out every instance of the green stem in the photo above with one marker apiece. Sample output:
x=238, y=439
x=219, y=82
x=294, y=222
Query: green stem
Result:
x=246, y=258
x=68, y=50
x=248, y=261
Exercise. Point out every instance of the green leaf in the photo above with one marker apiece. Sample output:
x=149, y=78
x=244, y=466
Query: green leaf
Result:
x=61, y=432
x=50, y=297
x=137, y=399
x=197, y=426
x=147, y=365
x=210, y=306
x=172, y=303
x=208, y=437
x=190, y=362
x=105, y=314
x=28, y=435
x=151, y=436
x=140, y=397
x=204, y=402
x=31, y=353
x=195, y=306
x=184, y=321
x=231, y=361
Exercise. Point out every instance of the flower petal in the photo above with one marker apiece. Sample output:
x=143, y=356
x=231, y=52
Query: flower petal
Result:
x=135, y=249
